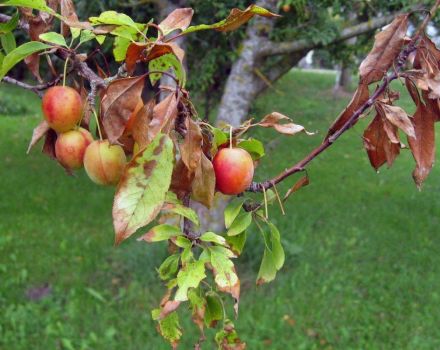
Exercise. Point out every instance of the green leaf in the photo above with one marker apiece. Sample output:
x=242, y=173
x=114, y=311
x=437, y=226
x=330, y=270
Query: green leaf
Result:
x=232, y=210
x=126, y=33
x=141, y=192
x=169, y=267
x=11, y=24
x=183, y=242
x=277, y=248
x=33, y=4
x=115, y=18
x=76, y=32
x=19, y=54
x=165, y=63
x=189, y=276
x=236, y=243
x=254, y=147
x=54, y=38
x=187, y=255
x=214, y=309
x=100, y=39
x=161, y=233
x=268, y=270
x=169, y=327
x=220, y=137
x=225, y=276
x=2, y=57
x=177, y=208
x=120, y=48
x=8, y=42
x=213, y=237
x=241, y=223
x=86, y=35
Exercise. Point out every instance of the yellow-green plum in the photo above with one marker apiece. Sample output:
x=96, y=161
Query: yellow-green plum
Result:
x=62, y=108
x=104, y=163
x=234, y=170
x=71, y=146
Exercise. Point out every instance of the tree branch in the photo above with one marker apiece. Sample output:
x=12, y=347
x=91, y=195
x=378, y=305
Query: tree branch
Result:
x=273, y=48
x=401, y=60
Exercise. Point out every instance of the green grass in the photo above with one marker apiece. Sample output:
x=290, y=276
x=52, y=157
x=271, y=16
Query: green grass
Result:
x=363, y=257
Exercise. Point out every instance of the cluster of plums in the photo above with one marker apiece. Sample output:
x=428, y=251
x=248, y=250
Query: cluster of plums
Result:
x=105, y=163
x=74, y=148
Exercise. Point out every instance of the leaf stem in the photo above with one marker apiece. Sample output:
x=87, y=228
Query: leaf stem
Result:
x=65, y=71
x=97, y=124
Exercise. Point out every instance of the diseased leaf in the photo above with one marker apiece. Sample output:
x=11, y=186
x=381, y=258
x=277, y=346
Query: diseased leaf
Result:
x=203, y=185
x=69, y=13
x=53, y=38
x=39, y=132
x=274, y=120
x=119, y=101
x=164, y=64
x=161, y=233
x=191, y=148
x=227, y=338
x=214, y=309
x=423, y=144
x=141, y=123
x=387, y=46
x=304, y=181
x=120, y=48
x=179, y=19
x=240, y=224
x=235, y=19
x=198, y=305
x=189, y=276
x=181, y=182
x=114, y=18
x=268, y=270
x=398, y=117
x=169, y=327
x=359, y=98
x=232, y=210
x=169, y=267
x=141, y=192
x=214, y=238
x=180, y=209
x=19, y=54
x=164, y=116
x=236, y=243
x=49, y=143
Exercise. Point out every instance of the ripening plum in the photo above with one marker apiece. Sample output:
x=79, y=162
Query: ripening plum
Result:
x=234, y=170
x=71, y=146
x=62, y=108
x=104, y=163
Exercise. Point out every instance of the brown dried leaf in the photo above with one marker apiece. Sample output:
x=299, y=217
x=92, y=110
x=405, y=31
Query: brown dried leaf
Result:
x=203, y=187
x=168, y=307
x=387, y=46
x=140, y=124
x=68, y=12
x=49, y=143
x=38, y=133
x=191, y=149
x=118, y=103
x=304, y=181
x=179, y=19
x=274, y=119
x=359, y=98
x=398, y=117
x=378, y=145
x=182, y=179
x=164, y=116
x=423, y=145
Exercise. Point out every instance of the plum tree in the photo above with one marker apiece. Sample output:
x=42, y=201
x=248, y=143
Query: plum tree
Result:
x=104, y=163
x=62, y=108
x=234, y=170
x=70, y=147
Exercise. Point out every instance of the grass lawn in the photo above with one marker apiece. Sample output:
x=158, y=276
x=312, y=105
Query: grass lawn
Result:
x=363, y=249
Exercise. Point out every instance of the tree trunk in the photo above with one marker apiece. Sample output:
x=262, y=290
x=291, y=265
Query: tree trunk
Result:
x=345, y=78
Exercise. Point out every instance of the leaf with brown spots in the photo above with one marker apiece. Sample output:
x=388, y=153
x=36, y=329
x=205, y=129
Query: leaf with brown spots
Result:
x=359, y=98
x=203, y=187
x=387, y=46
x=423, y=144
x=275, y=119
x=141, y=192
x=179, y=19
x=39, y=132
x=302, y=182
x=164, y=116
x=398, y=117
x=191, y=148
x=378, y=145
x=118, y=103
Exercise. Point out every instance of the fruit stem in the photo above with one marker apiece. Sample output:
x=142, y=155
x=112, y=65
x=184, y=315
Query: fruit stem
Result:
x=65, y=71
x=265, y=204
x=97, y=124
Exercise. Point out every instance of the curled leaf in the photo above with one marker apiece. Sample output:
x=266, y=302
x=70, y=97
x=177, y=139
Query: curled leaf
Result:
x=179, y=19
x=39, y=132
x=275, y=119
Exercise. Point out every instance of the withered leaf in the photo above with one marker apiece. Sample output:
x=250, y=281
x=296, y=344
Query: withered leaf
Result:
x=191, y=148
x=179, y=19
x=182, y=179
x=423, y=144
x=49, y=143
x=119, y=101
x=387, y=46
x=164, y=116
x=203, y=187
x=304, y=181
x=359, y=98
x=398, y=117
x=169, y=307
x=68, y=12
x=39, y=132
x=140, y=124
x=378, y=145
x=134, y=53
x=274, y=120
